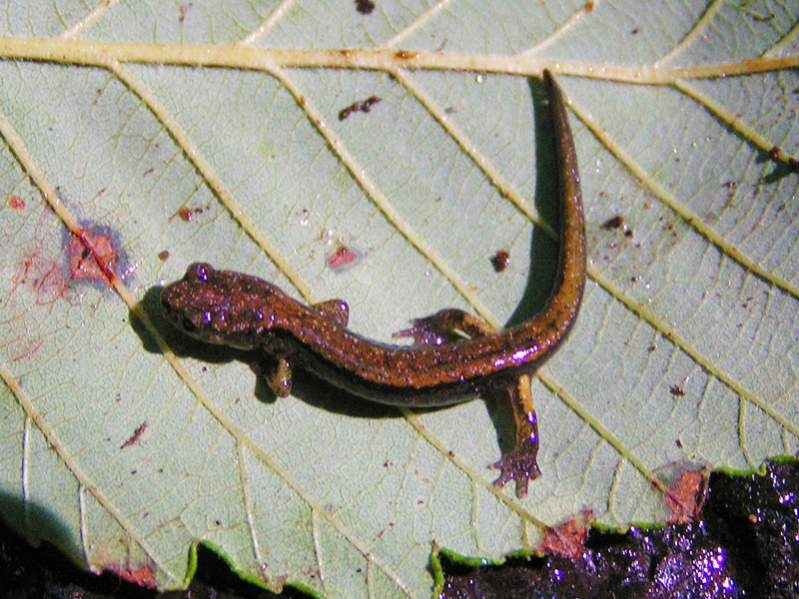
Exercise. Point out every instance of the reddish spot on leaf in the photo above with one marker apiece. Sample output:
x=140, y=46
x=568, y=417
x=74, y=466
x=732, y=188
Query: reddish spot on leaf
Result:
x=142, y=576
x=92, y=255
x=187, y=214
x=134, y=438
x=343, y=258
x=567, y=539
x=588, y=6
x=16, y=202
x=687, y=495
x=163, y=255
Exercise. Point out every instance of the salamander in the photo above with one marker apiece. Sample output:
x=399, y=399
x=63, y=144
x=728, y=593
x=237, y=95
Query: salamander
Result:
x=455, y=355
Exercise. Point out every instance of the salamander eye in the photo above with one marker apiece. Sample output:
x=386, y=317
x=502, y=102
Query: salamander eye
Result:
x=198, y=271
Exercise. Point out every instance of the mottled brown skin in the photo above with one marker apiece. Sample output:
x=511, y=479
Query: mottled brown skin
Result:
x=441, y=368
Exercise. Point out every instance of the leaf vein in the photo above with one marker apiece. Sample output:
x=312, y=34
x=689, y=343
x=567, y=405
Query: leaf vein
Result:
x=696, y=32
x=417, y=24
x=248, y=509
x=268, y=23
x=89, y=19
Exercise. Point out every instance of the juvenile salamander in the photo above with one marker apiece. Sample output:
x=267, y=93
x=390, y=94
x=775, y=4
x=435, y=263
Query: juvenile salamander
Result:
x=442, y=367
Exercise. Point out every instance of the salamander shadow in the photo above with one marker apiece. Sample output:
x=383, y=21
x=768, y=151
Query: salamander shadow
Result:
x=543, y=257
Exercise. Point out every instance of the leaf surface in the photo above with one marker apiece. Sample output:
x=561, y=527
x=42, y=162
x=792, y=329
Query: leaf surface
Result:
x=145, y=136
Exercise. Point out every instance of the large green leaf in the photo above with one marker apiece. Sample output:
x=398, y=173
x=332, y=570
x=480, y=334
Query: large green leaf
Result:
x=127, y=445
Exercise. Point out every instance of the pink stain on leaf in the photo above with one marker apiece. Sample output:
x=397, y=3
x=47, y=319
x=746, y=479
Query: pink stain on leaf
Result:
x=343, y=257
x=43, y=275
x=16, y=202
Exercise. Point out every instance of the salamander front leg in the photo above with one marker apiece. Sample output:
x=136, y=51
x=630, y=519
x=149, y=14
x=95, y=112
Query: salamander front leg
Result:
x=521, y=462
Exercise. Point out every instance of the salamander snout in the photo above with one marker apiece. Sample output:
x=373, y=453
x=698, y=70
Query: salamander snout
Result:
x=219, y=306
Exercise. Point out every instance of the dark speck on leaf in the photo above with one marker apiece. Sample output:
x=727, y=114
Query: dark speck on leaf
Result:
x=365, y=7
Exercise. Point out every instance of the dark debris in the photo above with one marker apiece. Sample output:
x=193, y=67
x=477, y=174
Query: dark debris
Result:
x=747, y=545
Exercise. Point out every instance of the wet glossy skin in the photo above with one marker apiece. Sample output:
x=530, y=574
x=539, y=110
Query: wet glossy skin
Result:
x=243, y=311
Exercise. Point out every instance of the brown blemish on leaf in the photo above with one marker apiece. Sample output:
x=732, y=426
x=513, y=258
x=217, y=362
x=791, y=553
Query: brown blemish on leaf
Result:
x=567, y=539
x=404, y=55
x=360, y=106
x=500, y=260
x=617, y=222
x=686, y=496
x=730, y=187
x=163, y=255
x=187, y=214
x=142, y=576
x=677, y=391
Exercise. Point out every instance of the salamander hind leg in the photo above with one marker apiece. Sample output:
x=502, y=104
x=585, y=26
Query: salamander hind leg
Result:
x=520, y=464
x=445, y=326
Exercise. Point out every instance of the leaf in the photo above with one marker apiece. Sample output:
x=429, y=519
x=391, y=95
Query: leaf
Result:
x=141, y=137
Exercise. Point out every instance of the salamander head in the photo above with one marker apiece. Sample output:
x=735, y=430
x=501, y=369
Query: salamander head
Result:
x=220, y=306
